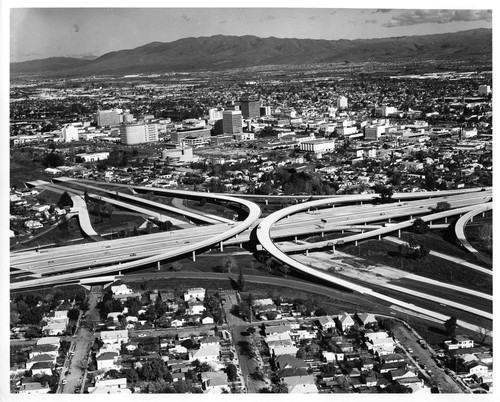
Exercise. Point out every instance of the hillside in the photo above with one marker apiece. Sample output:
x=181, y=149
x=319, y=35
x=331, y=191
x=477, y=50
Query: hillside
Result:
x=223, y=52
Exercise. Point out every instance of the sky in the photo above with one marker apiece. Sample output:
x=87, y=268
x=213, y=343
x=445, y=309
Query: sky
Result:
x=37, y=33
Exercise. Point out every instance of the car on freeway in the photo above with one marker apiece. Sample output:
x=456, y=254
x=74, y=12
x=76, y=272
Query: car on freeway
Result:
x=141, y=335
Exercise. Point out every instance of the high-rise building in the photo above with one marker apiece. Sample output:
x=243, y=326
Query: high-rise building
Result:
x=107, y=118
x=70, y=133
x=131, y=134
x=232, y=122
x=250, y=108
x=342, y=102
x=215, y=114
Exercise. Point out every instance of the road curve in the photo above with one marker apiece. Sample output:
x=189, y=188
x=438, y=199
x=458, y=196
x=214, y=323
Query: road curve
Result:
x=460, y=232
x=254, y=212
x=264, y=237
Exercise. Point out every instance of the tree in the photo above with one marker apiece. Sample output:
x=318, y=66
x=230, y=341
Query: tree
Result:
x=451, y=326
x=232, y=373
x=419, y=226
x=73, y=314
x=229, y=264
x=65, y=200
x=280, y=388
x=386, y=194
x=241, y=282
x=442, y=206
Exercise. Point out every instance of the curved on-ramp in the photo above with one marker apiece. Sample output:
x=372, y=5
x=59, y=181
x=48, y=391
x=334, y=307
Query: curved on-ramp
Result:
x=264, y=237
x=238, y=227
x=460, y=231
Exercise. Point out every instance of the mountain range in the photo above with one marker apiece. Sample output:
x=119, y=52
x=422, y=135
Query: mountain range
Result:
x=222, y=52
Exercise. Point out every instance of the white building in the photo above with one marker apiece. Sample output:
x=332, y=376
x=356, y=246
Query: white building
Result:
x=131, y=134
x=318, y=146
x=194, y=293
x=120, y=336
x=70, y=133
x=121, y=290
x=215, y=114
x=96, y=156
x=342, y=102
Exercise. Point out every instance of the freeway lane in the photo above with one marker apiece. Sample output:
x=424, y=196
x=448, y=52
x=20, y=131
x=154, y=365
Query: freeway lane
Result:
x=109, y=251
x=209, y=241
x=264, y=236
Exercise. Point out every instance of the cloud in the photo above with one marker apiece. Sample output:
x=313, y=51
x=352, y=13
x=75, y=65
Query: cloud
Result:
x=269, y=18
x=371, y=21
x=76, y=28
x=415, y=17
x=186, y=18
x=312, y=18
x=382, y=10
x=223, y=22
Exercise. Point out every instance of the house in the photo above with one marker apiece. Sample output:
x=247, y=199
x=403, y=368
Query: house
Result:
x=45, y=358
x=207, y=354
x=34, y=388
x=120, y=336
x=178, y=322
x=285, y=361
x=194, y=293
x=366, y=318
x=52, y=350
x=328, y=356
x=108, y=361
x=113, y=386
x=295, y=376
x=206, y=318
x=459, y=342
x=345, y=322
x=402, y=372
x=195, y=308
x=181, y=376
x=55, y=327
x=177, y=348
x=121, y=290
x=214, y=382
x=385, y=368
x=485, y=358
x=277, y=329
x=210, y=341
x=49, y=340
x=303, y=389
x=391, y=358
x=41, y=368
x=326, y=322
x=109, y=347
x=477, y=368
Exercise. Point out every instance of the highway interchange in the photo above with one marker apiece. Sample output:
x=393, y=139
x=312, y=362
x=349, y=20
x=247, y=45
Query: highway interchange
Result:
x=347, y=216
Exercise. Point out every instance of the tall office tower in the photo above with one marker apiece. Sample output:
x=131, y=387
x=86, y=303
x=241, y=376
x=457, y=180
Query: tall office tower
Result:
x=70, y=133
x=131, y=134
x=215, y=114
x=107, y=118
x=250, y=108
x=232, y=122
x=342, y=102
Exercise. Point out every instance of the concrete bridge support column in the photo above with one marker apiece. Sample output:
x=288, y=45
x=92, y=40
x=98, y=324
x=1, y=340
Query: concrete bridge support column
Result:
x=380, y=237
x=333, y=249
x=356, y=243
x=221, y=247
x=322, y=234
x=482, y=214
x=158, y=265
x=472, y=219
x=194, y=255
x=445, y=219
x=399, y=233
x=307, y=253
x=295, y=240
x=389, y=220
x=267, y=202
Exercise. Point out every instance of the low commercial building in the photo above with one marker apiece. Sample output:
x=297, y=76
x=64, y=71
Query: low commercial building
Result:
x=318, y=146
